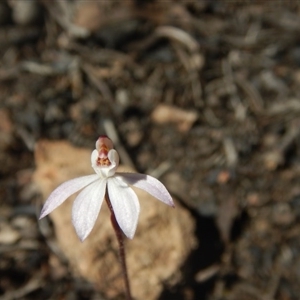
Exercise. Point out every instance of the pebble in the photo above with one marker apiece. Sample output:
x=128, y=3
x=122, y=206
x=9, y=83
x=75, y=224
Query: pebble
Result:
x=8, y=235
x=165, y=114
x=25, y=12
x=282, y=214
x=88, y=15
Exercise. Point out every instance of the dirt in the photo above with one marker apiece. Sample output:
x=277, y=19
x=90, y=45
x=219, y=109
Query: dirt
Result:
x=73, y=70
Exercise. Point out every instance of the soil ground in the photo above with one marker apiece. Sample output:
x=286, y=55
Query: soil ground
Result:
x=203, y=94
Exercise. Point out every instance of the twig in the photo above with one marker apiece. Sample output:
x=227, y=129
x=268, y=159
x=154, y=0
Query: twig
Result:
x=160, y=170
x=230, y=152
x=284, y=107
x=192, y=62
x=98, y=83
x=60, y=11
x=31, y=286
x=276, y=157
x=178, y=35
x=256, y=102
x=41, y=69
x=229, y=82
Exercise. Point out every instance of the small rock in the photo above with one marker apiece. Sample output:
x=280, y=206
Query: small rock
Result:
x=282, y=214
x=26, y=226
x=88, y=15
x=253, y=199
x=25, y=12
x=122, y=98
x=163, y=241
x=165, y=114
x=273, y=159
x=223, y=177
x=8, y=235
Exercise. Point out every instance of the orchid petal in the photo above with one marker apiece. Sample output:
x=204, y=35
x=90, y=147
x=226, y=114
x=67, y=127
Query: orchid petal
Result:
x=113, y=157
x=64, y=191
x=86, y=208
x=125, y=205
x=149, y=184
x=94, y=157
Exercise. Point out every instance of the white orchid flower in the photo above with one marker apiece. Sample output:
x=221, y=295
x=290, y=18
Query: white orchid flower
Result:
x=124, y=201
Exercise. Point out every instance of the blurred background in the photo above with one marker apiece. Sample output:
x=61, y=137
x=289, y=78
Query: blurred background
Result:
x=204, y=95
